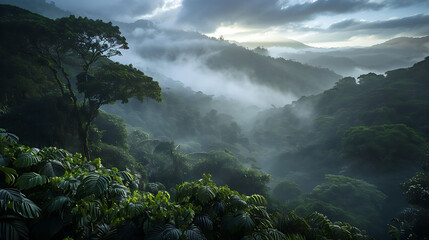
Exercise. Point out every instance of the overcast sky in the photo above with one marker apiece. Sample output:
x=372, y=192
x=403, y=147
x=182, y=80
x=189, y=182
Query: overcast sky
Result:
x=322, y=23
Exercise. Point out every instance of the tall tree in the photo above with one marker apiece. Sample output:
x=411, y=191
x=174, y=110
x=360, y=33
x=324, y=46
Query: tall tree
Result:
x=65, y=43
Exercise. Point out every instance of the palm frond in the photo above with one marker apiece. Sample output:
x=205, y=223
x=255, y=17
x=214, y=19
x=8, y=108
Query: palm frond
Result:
x=30, y=180
x=256, y=199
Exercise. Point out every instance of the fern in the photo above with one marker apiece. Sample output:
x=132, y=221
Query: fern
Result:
x=30, y=180
x=27, y=159
x=256, y=199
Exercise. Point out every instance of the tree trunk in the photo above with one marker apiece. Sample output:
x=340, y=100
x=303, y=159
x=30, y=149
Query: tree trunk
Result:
x=83, y=138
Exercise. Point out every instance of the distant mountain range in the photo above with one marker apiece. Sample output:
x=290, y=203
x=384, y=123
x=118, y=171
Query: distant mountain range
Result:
x=289, y=43
x=395, y=53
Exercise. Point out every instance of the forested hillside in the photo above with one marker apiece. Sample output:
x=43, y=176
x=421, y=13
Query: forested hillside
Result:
x=91, y=148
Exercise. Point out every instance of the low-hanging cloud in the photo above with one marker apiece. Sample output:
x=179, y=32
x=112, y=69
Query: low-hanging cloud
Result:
x=208, y=15
x=420, y=21
x=183, y=56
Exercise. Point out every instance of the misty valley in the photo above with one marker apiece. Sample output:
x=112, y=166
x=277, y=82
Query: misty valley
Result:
x=132, y=130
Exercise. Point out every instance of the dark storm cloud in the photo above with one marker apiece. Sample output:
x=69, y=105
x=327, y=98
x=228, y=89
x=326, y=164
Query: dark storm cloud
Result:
x=405, y=3
x=112, y=9
x=209, y=14
x=420, y=21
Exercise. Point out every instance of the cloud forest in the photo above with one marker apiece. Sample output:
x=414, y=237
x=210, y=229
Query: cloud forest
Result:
x=205, y=120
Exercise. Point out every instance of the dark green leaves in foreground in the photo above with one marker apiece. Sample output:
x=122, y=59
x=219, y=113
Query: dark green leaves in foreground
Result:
x=13, y=201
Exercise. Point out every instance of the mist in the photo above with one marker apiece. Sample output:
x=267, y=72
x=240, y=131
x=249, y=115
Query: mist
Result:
x=269, y=118
x=396, y=53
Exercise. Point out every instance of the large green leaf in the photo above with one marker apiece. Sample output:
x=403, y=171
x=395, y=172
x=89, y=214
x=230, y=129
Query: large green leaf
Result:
x=237, y=202
x=54, y=153
x=134, y=209
x=58, y=203
x=69, y=184
x=12, y=199
x=205, y=194
x=30, y=180
x=9, y=137
x=105, y=232
x=11, y=228
x=171, y=232
x=53, y=168
x=10, y=174
x=244, y=222
x=4, y=161
x=93, y=184
x=125, y=176
x=27, y=159
x=117, y=190
x=194, y=233
x=204, y=222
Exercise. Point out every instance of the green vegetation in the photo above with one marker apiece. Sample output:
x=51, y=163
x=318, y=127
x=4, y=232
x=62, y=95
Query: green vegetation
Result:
x=343, y=152
x=86, y=42
x=50, y=194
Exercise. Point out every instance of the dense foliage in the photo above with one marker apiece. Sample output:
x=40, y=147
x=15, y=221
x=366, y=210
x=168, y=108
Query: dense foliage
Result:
x=50, y=194
x=343, y=152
